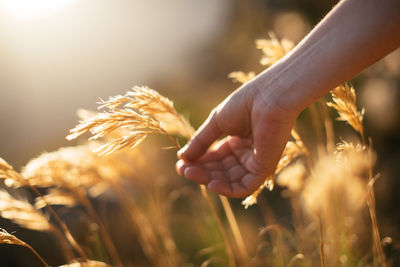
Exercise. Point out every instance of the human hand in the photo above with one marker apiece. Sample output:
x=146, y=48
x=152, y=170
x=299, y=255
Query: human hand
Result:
x=255, y=126
x=257, y=118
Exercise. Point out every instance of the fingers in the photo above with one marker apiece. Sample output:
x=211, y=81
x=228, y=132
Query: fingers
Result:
x=247, y=185
x=207, y=134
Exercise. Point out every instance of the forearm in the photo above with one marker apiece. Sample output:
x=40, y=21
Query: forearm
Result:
x=354, y=35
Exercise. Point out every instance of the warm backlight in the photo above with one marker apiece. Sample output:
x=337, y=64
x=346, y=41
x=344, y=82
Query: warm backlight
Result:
x=33, y=9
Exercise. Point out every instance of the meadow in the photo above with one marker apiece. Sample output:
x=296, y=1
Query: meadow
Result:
x=115, y=200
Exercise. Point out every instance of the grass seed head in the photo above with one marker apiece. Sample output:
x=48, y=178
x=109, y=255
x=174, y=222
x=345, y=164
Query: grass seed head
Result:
x=344, y=102
x=336, y=185
x=22, y=213
x=7, y=238
x=135, y=116
x=241, y=77
x=273, y=49
x=72, y=167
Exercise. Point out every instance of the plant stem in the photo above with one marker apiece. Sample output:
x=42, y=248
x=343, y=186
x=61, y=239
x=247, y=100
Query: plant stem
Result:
x=204, y=192
x=36, y=254
x=372, y=210
x=228, y=246
x=321, y=242
x=63, y=226
x=244, y=256
x=108, y=242
x=147, y=237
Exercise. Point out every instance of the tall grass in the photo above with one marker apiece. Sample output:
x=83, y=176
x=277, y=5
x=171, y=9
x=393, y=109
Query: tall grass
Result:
x=175, y=225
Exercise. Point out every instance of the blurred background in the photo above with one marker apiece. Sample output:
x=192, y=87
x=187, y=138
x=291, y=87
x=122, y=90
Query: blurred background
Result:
x=60, y=55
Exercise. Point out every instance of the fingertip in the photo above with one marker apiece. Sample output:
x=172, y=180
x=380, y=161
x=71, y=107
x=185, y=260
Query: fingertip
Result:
x=180, y=167
x=219, y=187
x=232, y=190
x=197, y=174
x=182, y=151
x=205, y=136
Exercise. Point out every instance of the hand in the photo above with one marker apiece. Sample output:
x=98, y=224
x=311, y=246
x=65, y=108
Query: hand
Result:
x=256, y=129
x=257, y=118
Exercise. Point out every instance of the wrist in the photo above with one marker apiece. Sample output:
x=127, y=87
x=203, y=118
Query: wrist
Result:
x=284, y=88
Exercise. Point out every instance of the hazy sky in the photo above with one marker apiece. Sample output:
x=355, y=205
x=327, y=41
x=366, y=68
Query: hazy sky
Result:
x=54, y=60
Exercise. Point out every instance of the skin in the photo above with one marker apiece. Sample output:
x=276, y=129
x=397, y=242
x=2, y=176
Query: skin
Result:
x=255, y=120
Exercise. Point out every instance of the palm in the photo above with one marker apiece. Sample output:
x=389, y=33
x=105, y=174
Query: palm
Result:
x=227, y=169
x=257, y=133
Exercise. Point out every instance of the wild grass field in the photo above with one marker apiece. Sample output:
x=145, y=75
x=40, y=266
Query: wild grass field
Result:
x=115, y=199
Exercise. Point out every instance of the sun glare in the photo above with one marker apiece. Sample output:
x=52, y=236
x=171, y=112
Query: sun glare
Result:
x=33, y=9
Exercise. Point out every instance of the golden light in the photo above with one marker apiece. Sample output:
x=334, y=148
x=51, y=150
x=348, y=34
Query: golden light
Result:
x=34, y=9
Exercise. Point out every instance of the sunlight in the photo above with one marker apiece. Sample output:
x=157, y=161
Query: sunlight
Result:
x=33, y=9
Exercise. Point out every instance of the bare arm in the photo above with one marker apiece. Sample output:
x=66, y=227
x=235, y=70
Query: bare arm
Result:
x=257, y=118
x=354, y=35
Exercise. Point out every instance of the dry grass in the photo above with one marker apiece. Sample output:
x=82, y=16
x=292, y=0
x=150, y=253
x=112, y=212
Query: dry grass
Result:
x=6, y=238
x=328, y=194
x=22, y=213
x=273, y=49
x=344, y=101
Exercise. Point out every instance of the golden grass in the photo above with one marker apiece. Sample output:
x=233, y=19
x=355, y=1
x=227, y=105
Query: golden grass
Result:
x=6, y=238
x=241, y=77
x=328, y=193
x=22, y=213
x=273, y=49
x=344, y=101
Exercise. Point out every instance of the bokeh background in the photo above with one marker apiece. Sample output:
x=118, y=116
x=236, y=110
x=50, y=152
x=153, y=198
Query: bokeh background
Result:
x=58, y=56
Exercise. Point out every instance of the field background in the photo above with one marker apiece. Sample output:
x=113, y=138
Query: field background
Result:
x=55, y=62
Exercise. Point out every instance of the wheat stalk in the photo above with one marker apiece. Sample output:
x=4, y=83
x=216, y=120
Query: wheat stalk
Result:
x=55, y=196
x=144, y=110
x=6, y=238
x=344, y=101
x=16, y=180
x=273, y=49
x=241, y=77
x=22, y=213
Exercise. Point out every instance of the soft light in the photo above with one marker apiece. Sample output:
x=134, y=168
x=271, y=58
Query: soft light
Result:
x=33, y=9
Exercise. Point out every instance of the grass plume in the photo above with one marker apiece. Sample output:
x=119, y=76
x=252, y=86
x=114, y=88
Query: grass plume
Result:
x=7, y=238
x=273, y=49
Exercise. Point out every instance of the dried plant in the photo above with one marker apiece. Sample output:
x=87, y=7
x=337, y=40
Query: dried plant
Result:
x=60, y=168
x=55, y=196
x=335, y=194
x=6, y=238
x=142, y=111
x=273, y=49
x=22, y=213
x=343, y=149
x=9, y=175
x=333, y=190
x=241, y=77
x=292, y=177
x=344, y=101
x=340, y=182
x=15, y=179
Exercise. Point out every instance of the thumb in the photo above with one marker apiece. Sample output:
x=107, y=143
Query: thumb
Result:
x=207, y=134
x=269, y=142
